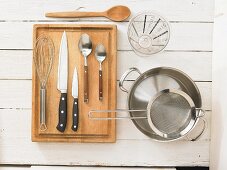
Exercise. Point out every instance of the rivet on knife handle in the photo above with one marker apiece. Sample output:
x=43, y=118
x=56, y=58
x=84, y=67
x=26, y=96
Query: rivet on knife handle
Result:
x=75, y=115
x=100, y=85
x=86, y=84
x=62, y=112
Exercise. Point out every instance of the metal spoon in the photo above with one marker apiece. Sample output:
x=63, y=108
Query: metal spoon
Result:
x=100, y=54
x=85, y=46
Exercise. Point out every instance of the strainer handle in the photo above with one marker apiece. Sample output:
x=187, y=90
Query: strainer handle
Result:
x=90, y=114
x=200, y=112
x=201, y=133
x=123, y=77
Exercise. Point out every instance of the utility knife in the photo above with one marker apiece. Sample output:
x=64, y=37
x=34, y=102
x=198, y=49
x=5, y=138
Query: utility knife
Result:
x=75, y=112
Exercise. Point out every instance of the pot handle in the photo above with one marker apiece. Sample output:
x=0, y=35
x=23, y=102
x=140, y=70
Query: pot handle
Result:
x=90, y=114
x=201, y=133
x=123, y=77
x=200, y=114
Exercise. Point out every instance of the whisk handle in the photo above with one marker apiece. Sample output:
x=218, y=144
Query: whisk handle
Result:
x=43, y=126
x=62, y=113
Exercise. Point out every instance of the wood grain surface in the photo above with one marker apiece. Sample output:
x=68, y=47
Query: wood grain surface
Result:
x=88, y=130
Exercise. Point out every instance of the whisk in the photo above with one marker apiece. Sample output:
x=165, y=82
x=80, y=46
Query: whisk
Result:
x=43, y=59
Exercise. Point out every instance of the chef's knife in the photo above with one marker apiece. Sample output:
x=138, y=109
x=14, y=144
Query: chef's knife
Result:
x=75, y=101
x=62, y=82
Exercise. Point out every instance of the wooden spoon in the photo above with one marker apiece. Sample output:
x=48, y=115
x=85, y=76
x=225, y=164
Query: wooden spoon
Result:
x=116, y=13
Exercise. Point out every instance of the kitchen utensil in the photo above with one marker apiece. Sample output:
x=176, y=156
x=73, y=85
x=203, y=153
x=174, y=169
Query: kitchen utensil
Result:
x=100, y=54
x=43, y=59
x=172, y=114
x=148, y=33
x=116, y=13
x=147, y=85
x=63, y=82
x=85, y=46
x=151, y=82
x=75, y=115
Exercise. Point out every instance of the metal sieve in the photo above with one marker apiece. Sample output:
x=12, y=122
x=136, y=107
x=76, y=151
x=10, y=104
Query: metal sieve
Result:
x=172, y=113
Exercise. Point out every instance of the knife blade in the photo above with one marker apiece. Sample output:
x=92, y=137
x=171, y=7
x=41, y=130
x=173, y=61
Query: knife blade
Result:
x=62, y=83
x=75, y=112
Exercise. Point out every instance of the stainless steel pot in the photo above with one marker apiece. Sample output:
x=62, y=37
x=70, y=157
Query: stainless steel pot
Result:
x=145, y=87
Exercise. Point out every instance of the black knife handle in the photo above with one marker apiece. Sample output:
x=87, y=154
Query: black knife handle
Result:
x=62, y=113
x=75, y=115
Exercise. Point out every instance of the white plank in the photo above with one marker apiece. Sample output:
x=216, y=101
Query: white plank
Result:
x=184, y=36
x=189, y=62
x=92, y=168
x=34, y=10
x=16, y=64
x=10, y=69
x=122, y=153
x=72, y=168
x=2, y=167
x=17, y=94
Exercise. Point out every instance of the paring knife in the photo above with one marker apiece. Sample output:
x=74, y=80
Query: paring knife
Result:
x=62, y=82
x=75, y=101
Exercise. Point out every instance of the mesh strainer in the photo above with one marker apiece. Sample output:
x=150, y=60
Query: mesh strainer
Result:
x=172, y=113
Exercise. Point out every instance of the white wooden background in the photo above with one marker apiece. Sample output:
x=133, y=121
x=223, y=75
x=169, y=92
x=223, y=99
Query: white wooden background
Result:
x=218, y=146
x=190, y=50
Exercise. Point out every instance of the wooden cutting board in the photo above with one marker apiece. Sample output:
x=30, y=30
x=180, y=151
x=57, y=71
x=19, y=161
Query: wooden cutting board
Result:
x=88, y=130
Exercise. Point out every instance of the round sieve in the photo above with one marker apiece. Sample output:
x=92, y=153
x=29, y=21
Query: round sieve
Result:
x=172, y=113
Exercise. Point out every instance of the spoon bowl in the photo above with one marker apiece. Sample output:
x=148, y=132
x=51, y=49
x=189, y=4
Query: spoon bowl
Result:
x=118, y=13
x=85, y=45
x=100, y=53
